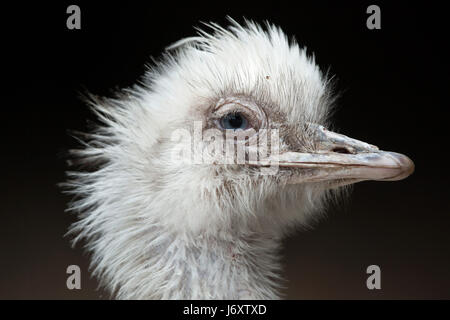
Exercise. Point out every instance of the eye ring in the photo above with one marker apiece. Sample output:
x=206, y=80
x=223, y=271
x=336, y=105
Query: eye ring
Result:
x=234, y=121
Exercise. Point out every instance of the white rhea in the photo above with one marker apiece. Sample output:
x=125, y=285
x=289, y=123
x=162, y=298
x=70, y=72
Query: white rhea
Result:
x=158, y=227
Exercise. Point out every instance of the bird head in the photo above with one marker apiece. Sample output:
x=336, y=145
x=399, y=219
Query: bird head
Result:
x=228, y=131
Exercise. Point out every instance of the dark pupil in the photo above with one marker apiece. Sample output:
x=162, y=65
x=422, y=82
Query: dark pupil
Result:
x=234, y=121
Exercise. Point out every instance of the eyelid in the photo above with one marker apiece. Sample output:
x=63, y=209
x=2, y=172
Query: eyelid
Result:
x=231, y=107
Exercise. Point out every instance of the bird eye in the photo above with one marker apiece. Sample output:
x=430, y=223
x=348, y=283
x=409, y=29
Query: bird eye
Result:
x=234, y=121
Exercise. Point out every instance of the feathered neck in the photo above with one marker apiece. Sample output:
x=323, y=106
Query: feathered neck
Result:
x=161, y=265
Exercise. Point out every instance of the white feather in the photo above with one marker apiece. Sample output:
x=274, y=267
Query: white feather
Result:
x=160, y=229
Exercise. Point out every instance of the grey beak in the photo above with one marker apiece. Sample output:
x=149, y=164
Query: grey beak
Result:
x=338, y=157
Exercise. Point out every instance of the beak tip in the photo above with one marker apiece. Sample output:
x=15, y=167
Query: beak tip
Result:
x=405, y=166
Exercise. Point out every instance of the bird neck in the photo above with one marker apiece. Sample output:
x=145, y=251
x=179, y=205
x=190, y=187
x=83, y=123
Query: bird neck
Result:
x=214, y=267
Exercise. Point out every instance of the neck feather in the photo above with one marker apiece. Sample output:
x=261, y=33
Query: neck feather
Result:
x=177, y=266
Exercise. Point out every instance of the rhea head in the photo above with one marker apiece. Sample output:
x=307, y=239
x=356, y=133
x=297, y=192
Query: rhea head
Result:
x=250, y=112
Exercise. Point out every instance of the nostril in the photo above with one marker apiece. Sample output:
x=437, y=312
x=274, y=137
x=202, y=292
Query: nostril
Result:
x=341, y=150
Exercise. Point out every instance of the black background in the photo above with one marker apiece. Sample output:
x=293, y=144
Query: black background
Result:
x=393, y=82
